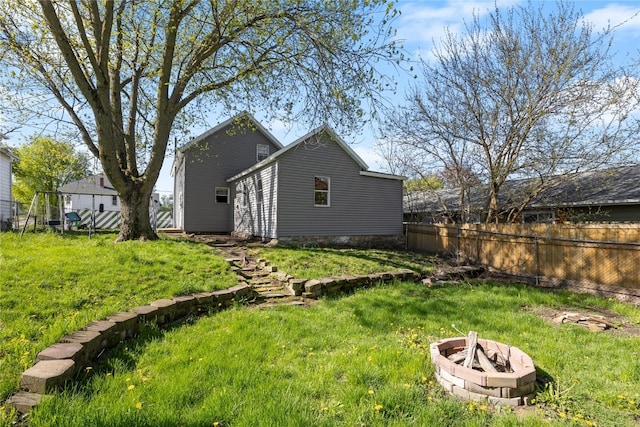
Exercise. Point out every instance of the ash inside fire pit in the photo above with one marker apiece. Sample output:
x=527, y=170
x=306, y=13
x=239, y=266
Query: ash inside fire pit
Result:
x=478, y=369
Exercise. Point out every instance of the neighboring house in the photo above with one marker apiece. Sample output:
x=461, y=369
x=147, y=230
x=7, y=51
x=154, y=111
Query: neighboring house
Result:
x=94, y=196
x=610, y=195
x=93, y=193
x=7, y=158
x=316, y=188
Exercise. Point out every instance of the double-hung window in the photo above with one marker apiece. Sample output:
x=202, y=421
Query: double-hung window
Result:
x=262, y=152
x=259, y=191
x=222, y=195
x=322, y=191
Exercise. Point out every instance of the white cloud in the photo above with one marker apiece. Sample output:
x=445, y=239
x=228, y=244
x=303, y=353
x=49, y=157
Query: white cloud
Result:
x=625, y=15
x=424, y=22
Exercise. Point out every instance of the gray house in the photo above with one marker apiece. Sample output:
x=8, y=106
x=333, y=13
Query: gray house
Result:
x=315, y=189
x=202, y=195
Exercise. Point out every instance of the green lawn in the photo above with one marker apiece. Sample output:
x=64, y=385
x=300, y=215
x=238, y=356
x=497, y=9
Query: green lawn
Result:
x=51, y=285
x=359, y=359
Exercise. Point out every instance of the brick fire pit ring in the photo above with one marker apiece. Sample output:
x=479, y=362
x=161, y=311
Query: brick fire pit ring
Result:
x=498, y=388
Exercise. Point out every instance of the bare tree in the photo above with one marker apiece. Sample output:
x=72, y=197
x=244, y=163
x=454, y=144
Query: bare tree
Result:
x=126, y=75
x=530, y=93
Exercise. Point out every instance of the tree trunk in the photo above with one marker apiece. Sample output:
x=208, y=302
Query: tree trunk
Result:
x=135, y=223
x=492, y=204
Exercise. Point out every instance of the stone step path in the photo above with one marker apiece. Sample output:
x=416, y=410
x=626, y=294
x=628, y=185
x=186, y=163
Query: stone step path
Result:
x=258, y=282
x=270, y=287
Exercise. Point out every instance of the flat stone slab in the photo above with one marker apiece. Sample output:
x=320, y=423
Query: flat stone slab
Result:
x=101, y=326
x=47, y=374
x=163, y=304
x=24, y=401
x=222, y=295
x=59, y=351
x=146, y=313
x=123, y=317
x=82, y=337
x=126, y=324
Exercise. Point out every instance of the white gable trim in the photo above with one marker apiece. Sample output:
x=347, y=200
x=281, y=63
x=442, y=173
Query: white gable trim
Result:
x=8, y=153
x=315, y=132
x=383, y=175
x=334, y=136
x=228, y=122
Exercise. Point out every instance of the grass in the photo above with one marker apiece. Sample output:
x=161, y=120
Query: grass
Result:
x=51, y=285
x=315, y=263
x=356, y=360
x=360, y=359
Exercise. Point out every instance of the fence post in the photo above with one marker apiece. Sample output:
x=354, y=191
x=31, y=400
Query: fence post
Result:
x=458, y=243
x=536, y=245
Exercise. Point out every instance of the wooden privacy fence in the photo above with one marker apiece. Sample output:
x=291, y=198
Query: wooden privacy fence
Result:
x=604, y=254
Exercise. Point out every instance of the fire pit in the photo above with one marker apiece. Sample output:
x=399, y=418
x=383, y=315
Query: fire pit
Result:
x=478, y=369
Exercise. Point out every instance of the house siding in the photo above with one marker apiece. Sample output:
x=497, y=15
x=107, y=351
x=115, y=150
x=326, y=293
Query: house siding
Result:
x=257, y=217
x=178, y=193
x=208, y=164
x=359, y=205
x=5, y=187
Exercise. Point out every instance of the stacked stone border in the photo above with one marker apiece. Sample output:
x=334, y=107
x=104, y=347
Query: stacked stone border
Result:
x=61, y=362
x=498, y=388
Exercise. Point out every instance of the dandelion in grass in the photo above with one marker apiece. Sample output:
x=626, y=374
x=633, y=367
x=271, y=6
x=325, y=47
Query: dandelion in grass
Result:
x=378, y=407
x=139, y=405
x=370, y=392
x=131, y=387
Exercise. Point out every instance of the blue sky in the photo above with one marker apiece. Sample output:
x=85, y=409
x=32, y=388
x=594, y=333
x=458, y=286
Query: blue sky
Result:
x=422, y=22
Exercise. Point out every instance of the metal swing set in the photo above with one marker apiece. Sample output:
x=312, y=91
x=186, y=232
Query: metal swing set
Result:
x=65, y=220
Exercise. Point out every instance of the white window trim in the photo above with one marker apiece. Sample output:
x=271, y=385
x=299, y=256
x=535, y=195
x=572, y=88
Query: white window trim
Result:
x=328, y=192
x=259, y=191
x=258, y=147
x=216, y=195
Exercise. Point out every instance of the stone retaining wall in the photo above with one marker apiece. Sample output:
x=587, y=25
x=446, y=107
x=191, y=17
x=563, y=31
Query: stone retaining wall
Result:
x=61, y=362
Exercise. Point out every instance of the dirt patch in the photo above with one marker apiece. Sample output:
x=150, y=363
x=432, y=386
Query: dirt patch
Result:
x=624, y=326
x=226, y=245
